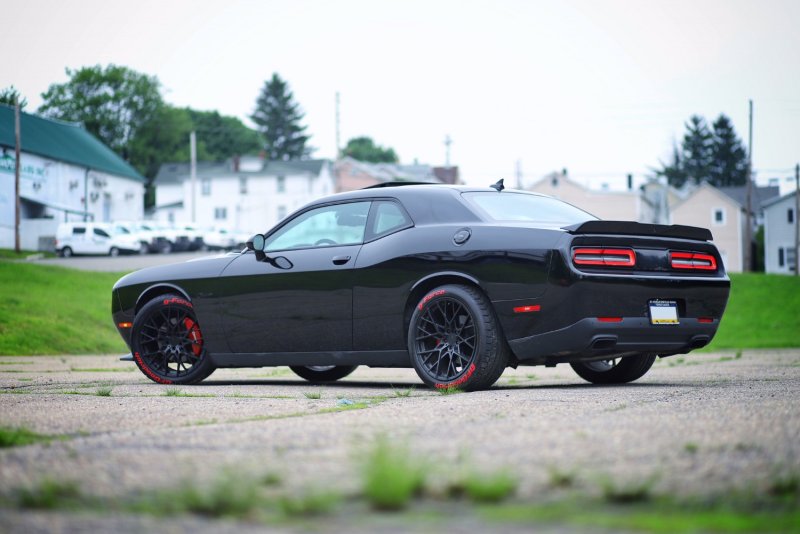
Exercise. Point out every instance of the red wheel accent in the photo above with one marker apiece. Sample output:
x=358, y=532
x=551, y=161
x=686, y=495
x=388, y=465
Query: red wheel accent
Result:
x=195, y=335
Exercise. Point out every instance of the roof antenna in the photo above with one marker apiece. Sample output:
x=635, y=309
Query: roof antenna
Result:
x=499, y=185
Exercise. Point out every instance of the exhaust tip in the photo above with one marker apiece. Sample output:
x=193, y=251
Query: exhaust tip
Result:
x=604, y=343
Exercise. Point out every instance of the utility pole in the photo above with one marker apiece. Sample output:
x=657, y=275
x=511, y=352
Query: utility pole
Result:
x=519, y=174
x=17, y=147
x=797, y=220
x=193, y=170
x=447, y=143
x=338, y=138
x=748, y=234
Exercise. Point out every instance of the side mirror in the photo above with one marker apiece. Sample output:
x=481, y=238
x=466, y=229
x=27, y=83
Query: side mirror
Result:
x=256, y=243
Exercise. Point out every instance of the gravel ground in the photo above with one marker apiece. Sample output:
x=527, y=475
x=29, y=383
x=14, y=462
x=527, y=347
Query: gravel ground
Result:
x=702, y=425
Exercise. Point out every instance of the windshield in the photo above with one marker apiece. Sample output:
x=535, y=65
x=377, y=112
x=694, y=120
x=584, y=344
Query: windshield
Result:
x=508, y=206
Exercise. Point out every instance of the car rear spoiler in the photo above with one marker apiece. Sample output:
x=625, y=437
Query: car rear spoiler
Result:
x=635, y=228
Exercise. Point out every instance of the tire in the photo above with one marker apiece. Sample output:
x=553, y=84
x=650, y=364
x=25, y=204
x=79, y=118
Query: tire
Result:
x=323, y=373
x=168, y=344
x=166, y=248
x=113, y=252
x=455, y=340
x=66, y=252
x=615, y=371
x=143, y=248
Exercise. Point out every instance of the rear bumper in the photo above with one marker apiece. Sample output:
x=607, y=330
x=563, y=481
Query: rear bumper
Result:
x=591, y=338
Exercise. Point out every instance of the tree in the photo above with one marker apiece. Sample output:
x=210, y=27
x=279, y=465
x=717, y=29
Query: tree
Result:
x=365, y=149
x=717, y=157
x=729, y=156
x=697, y=150
x=221, y=136
x=10, y=96
x=113, y=103
x=278, y=118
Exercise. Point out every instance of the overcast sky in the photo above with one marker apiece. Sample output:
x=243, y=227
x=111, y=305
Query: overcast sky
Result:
x=601, y=88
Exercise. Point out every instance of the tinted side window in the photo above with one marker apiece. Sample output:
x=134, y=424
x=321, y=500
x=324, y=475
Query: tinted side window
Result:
x=388, y=217
x=79, y=230
x=101, y=232
x=339, y=224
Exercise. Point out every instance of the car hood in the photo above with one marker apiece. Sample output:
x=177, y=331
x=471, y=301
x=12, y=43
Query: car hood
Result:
x=208, y=267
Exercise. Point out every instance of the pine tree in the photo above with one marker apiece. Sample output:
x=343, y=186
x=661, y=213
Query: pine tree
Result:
x=278, y=117
x=674, y=173
x=729, y=165
x=697, y=150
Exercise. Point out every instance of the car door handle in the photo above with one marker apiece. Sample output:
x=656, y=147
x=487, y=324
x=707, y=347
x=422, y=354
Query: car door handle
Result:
x=340, y=260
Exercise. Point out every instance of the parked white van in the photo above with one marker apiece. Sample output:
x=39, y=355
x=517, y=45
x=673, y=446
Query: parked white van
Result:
x=94, y=238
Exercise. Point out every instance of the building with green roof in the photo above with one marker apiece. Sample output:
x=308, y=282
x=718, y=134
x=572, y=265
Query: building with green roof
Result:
x=66, y=174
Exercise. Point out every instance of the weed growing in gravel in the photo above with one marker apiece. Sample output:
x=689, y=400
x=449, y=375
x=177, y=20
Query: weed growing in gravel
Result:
x=449, y=390
x=50, y=494
x=172, y=392
x=313, y=394
x=391, y=476
x=272, y=479
x=227, y=496
x=691, y=448
x=103, y=392
x=628, y=492
x=561, y=479
x=314, y=502
x=490, y=488
x=17, y=437
x=403, y=392
x=785, y=485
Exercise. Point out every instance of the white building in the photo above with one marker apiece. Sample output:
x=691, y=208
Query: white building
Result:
x=66, y=174
x=246, y=194
x=780, y=227
x=607, y=205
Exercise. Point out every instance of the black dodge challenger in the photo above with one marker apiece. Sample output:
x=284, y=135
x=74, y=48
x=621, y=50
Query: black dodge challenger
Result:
x=457, y=282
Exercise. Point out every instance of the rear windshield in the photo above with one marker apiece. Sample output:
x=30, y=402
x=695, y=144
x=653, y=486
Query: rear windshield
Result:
x=508, y=206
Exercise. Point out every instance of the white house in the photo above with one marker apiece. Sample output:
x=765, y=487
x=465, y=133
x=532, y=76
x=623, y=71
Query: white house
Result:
x=780, y=231
x=246, y=194
x=66, y=174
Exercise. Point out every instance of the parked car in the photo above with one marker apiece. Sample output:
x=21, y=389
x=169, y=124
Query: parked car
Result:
x=94, y=238
x=457, y=282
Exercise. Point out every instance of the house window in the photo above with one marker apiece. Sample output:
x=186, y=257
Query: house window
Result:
x=719, y=216
x=281, y=212
x=790, y=215
x=205, y=187
x=781, y=260
x=791, y=258
x=281, y=184
x=220, y=214
x=242, y=185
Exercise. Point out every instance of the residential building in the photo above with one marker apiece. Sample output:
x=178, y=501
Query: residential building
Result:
x=607, y=205
x=780, y=234
x=352, y=174
x=246, y=194
x=66, y=174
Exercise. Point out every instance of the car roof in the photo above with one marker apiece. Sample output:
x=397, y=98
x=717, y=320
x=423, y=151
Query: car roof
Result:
x=428, y=203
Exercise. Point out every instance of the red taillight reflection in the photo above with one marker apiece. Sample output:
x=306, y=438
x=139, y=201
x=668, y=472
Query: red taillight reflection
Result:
x=705, y=319
x=608, y=257
x=610, y=319
x=527, y=309
x=692, y=261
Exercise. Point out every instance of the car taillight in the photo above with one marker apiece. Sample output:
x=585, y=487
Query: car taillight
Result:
x=608, y=257
x=692, y=261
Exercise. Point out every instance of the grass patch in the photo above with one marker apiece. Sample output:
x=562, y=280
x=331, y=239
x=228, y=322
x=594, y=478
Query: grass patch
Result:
x=313, y=395
x=9, y=254
x=391, y=477
x=227, y=496
x=449, y=390
x=658, y=518
x=50, y=494
x=628, y=492
x=53, y=310
x=403, y=392
x=20, y=436
x=558, y=478
x=103, y=392
x=314, y=502
x=490, y=488
x=758, y=313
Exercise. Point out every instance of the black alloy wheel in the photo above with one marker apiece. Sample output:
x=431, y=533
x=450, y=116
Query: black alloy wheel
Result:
x=614, y=370
x=168, y=343
x=455, y=341
x=322, y=373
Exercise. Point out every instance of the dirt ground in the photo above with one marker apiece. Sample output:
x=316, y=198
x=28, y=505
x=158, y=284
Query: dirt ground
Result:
x=702, y=425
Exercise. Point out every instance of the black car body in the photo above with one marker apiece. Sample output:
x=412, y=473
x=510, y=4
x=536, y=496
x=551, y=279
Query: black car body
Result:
x=528, y=279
